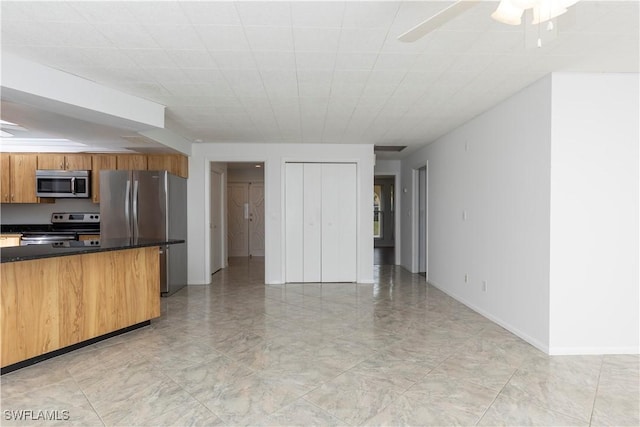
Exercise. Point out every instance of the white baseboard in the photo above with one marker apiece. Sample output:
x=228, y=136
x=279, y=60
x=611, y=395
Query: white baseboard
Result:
x=576, y=351
x=531, y=340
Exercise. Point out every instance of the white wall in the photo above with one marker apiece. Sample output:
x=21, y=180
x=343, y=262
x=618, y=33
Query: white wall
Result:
x=72, y=95
x=274, y=157
x=594, y=214
x=246, y=175
x=496, y=167
x=394, y=168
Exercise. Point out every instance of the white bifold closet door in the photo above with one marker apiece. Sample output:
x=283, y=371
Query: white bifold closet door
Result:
x=321, y=220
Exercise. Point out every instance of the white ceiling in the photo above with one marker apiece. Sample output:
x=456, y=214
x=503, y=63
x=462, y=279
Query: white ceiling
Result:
x=313, y=72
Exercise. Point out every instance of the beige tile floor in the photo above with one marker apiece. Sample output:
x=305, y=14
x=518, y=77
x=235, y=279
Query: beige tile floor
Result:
x=398, y=352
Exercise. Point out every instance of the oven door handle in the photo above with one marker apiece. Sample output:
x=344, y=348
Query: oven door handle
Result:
x=73, y=185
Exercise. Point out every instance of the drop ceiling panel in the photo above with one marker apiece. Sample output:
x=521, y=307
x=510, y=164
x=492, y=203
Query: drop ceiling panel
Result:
x=269, y=38
x=314, y=71
x=317, y=14
x=311, y=39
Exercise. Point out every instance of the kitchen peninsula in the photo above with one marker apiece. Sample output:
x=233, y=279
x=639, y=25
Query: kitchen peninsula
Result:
x=59, y=297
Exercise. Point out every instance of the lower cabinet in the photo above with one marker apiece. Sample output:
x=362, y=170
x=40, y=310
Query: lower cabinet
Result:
x=52, y=303
x=321, y=222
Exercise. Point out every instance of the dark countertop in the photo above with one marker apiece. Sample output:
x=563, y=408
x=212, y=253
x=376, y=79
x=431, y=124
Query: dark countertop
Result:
x=31, y=252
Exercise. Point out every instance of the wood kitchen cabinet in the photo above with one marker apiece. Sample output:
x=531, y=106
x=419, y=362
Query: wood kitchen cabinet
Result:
x=72, y=162
x=48, y=304
x=8, y=240
x=131, y=162
x=19, y=178
x=5, y=183
x=176, y=164
x=100, y=162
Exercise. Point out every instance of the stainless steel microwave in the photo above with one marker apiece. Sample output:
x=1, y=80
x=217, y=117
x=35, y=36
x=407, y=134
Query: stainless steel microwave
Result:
x=62, y=184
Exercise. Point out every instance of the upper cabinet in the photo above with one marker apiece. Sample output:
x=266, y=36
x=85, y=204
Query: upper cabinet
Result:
x=18, y=172
x=19, y=178
x=100, y=162
x=64, y=161
x=136, y=162
x=176, y=164
x=5, y=184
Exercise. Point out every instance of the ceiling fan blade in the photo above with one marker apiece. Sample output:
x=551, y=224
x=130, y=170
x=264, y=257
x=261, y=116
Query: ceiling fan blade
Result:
x=437, y=20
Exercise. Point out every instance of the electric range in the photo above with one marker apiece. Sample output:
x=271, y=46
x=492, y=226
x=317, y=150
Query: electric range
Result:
x=64, y=227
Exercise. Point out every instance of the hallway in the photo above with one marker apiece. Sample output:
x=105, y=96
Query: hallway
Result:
x=393, y=353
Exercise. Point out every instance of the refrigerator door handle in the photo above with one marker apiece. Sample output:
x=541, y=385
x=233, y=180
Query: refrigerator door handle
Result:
x=136, y=231
x=127, y=193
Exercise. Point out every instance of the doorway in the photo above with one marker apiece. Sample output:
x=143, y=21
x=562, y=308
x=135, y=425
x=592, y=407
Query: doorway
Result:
x=245, y=209
x=215, y=223
x=422, y=205
x=384, y=220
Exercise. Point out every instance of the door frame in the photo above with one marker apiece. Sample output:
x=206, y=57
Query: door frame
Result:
x=210, y=161
x=248, y=222
x=385, y=217
x=397, y=217
x=223, y=220
x=415, y=209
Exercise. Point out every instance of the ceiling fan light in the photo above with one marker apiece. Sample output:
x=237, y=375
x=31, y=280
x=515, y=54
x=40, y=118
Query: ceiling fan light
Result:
x=525, y=4
x=507, y=13
x=567, y=3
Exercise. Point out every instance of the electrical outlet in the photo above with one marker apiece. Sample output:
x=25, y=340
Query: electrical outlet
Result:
x=466, y=278
x=484, y=286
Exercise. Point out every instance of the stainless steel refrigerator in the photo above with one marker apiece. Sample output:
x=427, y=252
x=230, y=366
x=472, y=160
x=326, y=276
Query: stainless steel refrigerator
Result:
x=148, y=205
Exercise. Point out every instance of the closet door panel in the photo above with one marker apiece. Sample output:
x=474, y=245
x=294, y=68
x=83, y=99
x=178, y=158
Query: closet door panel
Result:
x=312, y=222
x=339, y=228
x=294, y=190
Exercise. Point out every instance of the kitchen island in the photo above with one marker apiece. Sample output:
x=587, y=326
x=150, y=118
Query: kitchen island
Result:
x=55, y=298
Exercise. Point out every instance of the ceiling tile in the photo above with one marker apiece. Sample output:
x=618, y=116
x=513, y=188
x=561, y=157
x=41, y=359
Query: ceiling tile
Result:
x=175, y=36
x=234, y=60
x=223, y=38
x=316, y=39
x=254, y=71
x=361, y=40
x=167, y=75
x=211, y=12
x=107, y=57
x=41, y=11
x=394, y=61
x=55, y=56
x=192, y=58
x=203, y=75
x=277, y=14
x=104, y=11
x=355, y=61
x=150, y=58
x=73, y=34
x=317, y=14
x=315, y=60
x=262, y=38
x=433, y=62
x=449, y=42
x=160, y=12
x=275, y=60
x=369, y=14
x=127, y=36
